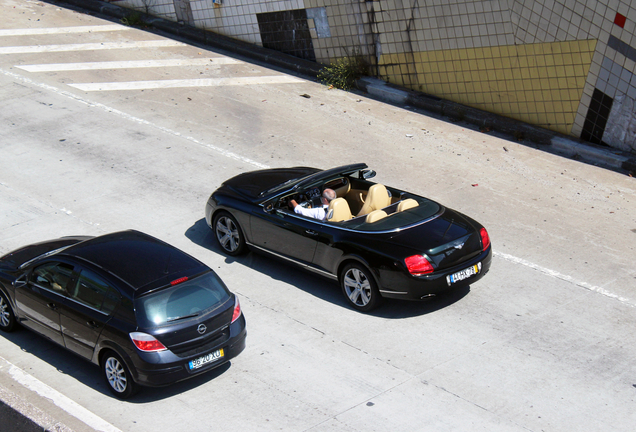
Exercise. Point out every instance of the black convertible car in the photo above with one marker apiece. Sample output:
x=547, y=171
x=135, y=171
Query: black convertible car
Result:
x=377, y=241
x=143, y=310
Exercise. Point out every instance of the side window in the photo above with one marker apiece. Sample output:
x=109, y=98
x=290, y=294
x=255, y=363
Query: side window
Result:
x=53, y=276
x=111, y=299
x=91, y=290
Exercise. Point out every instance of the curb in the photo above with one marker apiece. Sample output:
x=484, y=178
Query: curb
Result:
x=381, y=90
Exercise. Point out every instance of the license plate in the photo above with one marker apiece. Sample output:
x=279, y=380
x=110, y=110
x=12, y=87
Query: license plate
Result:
x=208, y=358
x=463, y=274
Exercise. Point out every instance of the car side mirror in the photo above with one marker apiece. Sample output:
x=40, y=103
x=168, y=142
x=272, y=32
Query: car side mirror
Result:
x=20, y=282
x=367, y=174
x=269, y=208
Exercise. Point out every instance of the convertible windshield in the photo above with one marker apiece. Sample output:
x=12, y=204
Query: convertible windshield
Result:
x=185, y=300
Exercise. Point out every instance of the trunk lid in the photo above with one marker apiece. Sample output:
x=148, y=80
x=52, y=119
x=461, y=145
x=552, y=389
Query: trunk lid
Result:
x=447, y=240
x=185, y=339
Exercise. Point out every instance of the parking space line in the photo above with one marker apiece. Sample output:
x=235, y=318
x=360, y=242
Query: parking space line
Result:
x=133, y=64
x=63, y=402
x=203, y=82
x=63, y=30
x=28, y=49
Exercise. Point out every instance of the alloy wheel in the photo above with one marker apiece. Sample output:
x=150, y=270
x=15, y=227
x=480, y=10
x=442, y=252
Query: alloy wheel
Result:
x=229, y=234
x=5, y=313
x=116, y=375
x=357, y=287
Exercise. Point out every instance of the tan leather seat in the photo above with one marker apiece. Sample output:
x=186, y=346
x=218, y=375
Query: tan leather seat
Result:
x=407, y=204
x=377, y=198
x=375, y=216
x=338, y=210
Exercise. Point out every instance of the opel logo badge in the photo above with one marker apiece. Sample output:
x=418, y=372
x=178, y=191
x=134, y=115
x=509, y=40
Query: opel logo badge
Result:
x=202, y=328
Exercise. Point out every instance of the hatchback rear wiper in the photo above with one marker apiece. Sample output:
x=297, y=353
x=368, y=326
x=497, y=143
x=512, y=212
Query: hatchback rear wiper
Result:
x=183, y=317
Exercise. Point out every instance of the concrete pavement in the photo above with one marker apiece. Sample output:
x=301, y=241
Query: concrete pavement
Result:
x=544, y=343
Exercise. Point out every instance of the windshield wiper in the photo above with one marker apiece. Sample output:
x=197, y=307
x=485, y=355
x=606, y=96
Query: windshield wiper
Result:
x=182, y=317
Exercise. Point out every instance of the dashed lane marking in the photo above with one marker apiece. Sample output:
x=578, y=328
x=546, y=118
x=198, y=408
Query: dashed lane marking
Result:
x=63, y=30
x=567, y=278
x=202, y=82
x=133, y=64
x=28, y=49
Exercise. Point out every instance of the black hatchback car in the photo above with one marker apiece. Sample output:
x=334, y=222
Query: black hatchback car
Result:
x=146, y=312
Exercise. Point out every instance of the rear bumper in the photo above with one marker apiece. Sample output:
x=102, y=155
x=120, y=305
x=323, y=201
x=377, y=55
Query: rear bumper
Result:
x=399, y=285
x=165, y=368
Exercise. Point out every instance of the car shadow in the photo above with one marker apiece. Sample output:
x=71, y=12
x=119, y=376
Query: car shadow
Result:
x=318, y=286
x=90, y=375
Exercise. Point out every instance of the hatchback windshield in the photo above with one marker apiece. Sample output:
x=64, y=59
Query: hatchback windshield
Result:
x=185, y=300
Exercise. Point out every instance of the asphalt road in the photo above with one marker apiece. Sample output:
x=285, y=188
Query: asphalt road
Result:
x=544, y=342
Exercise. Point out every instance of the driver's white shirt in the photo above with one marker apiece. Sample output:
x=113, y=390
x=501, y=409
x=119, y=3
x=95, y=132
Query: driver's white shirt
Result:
x=319, y=213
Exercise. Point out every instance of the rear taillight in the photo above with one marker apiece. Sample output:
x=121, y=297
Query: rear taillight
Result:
x=418, y=265
x=237, y=310
x=485, y=239
x=146, y=342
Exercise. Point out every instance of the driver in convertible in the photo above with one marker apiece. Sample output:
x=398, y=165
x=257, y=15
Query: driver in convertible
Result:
x=320, y=213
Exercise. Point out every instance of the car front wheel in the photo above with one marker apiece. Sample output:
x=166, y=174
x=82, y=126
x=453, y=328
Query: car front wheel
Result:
x=359, y=287
x=7, y=319
x=228, y=234
x=118, y=376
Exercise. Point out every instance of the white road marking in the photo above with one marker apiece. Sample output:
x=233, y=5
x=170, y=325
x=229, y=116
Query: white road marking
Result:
x=28, y=49
x=129, y=117
x=133, y=64
x=557, y=275
x=63, y=30
x=235, y=156
x=68, y=405
x=202, y=82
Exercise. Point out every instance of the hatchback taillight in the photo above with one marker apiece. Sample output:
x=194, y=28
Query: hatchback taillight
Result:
x=418, y=265
x=146, y=342
x=237, y=310
x=485, y=239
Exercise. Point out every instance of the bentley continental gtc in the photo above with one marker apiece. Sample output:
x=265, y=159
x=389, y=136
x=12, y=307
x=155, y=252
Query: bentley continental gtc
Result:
x=376, y=241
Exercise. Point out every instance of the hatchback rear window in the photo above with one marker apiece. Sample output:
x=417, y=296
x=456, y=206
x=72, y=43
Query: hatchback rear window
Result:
x=185, y=300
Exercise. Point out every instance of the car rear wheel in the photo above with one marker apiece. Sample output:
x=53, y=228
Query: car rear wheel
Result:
x=7, y=319
x=118, y=376
x=359, y=287
x=229, y=234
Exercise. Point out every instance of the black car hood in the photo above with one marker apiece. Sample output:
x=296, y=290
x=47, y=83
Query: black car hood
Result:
x=252, y=184
x=16, y=258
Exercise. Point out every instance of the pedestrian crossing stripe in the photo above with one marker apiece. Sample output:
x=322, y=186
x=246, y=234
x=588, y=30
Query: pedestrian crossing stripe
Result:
x=203, y=82
x=90, y=46
x=133, y=64
x=63, y=30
